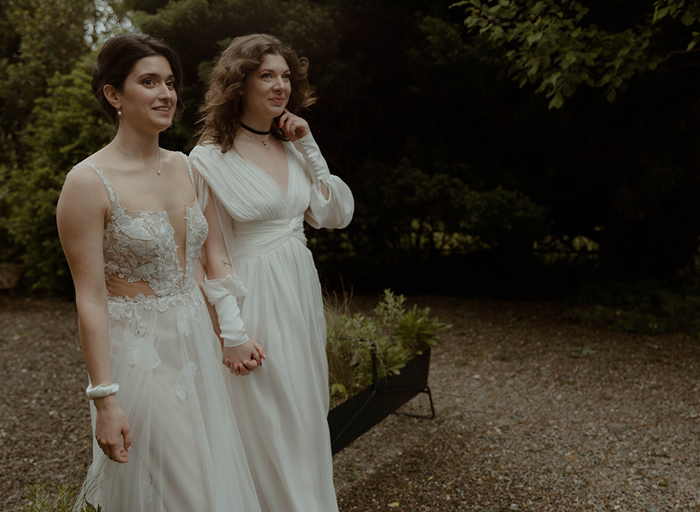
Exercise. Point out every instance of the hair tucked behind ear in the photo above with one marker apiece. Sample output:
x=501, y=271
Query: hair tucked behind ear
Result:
x=221, y=111
x=118, y=57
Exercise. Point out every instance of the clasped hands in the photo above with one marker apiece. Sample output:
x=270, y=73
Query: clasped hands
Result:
x=243, y=359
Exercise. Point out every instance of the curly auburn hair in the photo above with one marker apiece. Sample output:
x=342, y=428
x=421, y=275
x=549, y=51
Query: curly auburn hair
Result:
x=117, y=59
x=222, y=108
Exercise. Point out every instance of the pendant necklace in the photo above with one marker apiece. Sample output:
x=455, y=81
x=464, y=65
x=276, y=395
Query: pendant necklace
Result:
x=263, y=141
x=157, y=169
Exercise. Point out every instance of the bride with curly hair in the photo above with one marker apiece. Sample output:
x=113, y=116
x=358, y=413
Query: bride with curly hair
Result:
x=263, y=176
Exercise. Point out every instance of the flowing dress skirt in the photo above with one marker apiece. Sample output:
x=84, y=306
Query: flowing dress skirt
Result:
x=282, y=408
x=186, y=453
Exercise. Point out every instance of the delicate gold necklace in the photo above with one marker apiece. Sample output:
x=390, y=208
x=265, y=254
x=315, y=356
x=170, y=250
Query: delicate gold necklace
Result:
x=263, y=142
x=157, y=169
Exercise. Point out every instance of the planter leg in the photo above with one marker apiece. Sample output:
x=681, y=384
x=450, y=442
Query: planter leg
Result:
x=430, y=416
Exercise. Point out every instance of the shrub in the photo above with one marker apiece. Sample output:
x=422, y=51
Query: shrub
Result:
x=644, y=308
x=394, y=334
x=66, y=126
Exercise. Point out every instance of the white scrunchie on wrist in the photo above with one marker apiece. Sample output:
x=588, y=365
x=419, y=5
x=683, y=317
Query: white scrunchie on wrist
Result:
x=101, y=391
x=222, y=295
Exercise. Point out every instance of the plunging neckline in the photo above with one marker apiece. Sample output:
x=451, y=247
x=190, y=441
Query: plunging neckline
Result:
x=285, y=193
x=163, y=214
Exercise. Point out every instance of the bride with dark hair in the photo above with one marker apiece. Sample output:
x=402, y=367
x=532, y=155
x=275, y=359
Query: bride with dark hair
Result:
x=263, y=176
x=131, y=229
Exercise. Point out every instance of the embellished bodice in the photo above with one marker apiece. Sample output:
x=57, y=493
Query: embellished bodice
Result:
x=141, y=255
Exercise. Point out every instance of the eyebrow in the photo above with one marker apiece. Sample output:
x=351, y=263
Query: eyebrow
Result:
x=272, y=70
x=155, y=75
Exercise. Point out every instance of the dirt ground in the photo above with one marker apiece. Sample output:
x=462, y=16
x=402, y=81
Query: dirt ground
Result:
x=533, y=413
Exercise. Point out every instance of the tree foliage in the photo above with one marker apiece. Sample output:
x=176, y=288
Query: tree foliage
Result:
x=48, y=122
x=553, y=45
x=41, y=38
x=439, y=127
x=66, y=126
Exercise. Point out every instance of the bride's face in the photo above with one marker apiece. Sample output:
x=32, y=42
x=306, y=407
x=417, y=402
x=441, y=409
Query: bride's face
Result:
x=148, y=98
x=266, y=91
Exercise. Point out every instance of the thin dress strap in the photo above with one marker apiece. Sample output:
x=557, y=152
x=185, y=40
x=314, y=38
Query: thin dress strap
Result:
x=113, y=198
x=188, y=164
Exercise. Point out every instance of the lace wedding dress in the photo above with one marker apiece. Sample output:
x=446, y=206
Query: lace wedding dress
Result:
x=281, y=408
x=186, y=453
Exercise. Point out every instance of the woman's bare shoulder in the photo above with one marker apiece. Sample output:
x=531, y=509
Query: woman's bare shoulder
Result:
x=83, y=186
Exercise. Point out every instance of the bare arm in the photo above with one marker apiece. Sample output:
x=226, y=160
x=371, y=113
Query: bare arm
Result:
x=81, y=213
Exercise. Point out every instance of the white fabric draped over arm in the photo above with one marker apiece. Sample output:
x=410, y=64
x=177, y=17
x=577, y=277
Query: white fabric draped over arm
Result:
x=202, y=178
x=337, y=210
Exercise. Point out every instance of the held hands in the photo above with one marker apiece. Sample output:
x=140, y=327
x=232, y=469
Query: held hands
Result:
x=294, y=126
x=110, y=427
x=243, y=359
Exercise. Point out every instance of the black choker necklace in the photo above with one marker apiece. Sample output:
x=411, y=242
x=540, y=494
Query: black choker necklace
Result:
x=256, y=132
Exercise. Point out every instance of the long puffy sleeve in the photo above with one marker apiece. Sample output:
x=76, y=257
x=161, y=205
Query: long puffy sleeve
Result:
x=337, y=210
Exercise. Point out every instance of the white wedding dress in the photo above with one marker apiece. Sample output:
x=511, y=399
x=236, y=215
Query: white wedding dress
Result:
x=186, y=454
x=281, y=408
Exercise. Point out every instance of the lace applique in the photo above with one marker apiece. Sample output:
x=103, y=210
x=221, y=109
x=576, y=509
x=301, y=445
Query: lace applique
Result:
x=140, y=246
x=186, y=320
x=185, y=381
x=198, y=229
x=120, y=308
x=140, y=351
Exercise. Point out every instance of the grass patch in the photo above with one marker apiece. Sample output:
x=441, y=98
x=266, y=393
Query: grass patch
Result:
x=38, y=499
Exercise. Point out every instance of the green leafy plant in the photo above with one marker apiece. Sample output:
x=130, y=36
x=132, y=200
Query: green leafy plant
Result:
x=417, y=330
x=40, y=500
x=394, y=334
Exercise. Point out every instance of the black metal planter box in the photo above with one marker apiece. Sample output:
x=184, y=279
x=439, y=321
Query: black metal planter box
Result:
x=362, y=411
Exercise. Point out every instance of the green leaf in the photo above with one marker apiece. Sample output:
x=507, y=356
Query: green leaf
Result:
x=555, y=77
x=612, y=95
x=537, y=9
x=533, y=38
x=688, y=18
x=660, y=13
x=557, y=101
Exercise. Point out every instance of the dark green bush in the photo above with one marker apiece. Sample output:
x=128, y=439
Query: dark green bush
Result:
x=67, y=126
x=645, y=308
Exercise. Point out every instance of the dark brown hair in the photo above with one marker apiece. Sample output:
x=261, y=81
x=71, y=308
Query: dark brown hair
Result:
x=221, y=111
x=117, y=59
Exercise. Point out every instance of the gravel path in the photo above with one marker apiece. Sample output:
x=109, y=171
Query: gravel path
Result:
x=534, y=413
